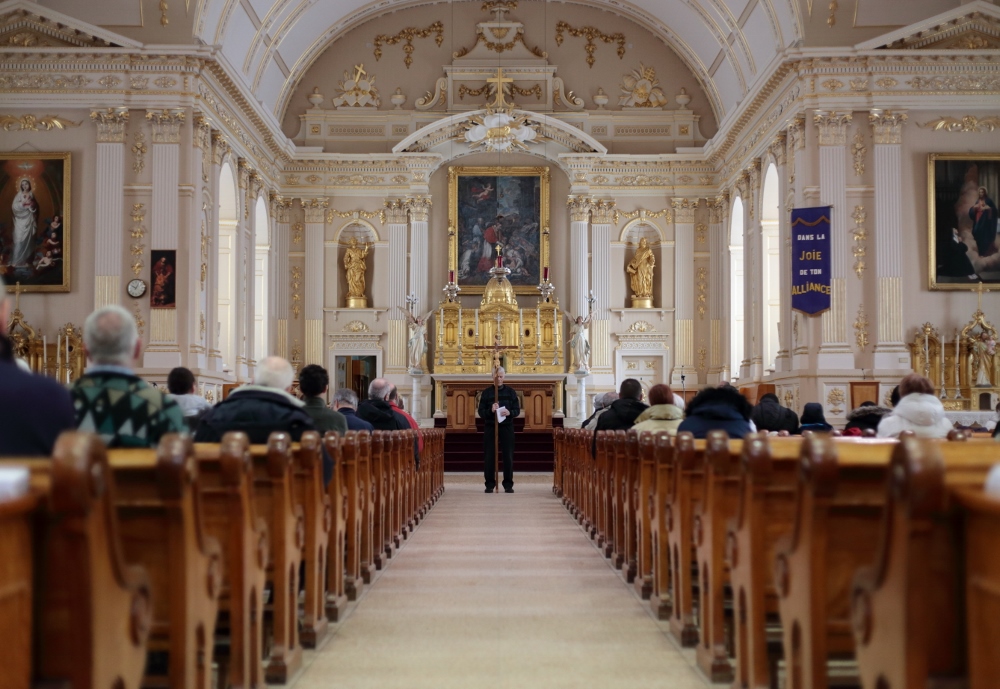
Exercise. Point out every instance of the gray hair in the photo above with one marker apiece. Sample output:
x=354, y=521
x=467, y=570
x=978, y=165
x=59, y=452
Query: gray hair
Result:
x=274, y=372
x=605, y=400
x=346, y=397
x=110, y=335
x=379, y=389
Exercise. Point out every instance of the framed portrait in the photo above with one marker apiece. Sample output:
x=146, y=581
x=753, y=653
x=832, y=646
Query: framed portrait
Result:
x=35, y=221
x=164, y=292
x=963, y=231
x=498, y=206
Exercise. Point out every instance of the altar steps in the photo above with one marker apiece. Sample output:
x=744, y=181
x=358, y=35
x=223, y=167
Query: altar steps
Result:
x=532, y=451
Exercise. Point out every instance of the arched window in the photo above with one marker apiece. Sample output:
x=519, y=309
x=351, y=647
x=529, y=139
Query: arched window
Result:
x=262, y=252
x=228, y=220
x=736, y=288
x=770, y=266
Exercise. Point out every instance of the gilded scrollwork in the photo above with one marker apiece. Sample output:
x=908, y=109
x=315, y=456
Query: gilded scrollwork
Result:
x=968, y=123
x=858, y=152
x=139, y=151
x=14, y=123
x=137, y=232
x=296, y=291
x=861, y=328
x=407, y=35
x=702, y=291
x=590, y=33
x=860, y=234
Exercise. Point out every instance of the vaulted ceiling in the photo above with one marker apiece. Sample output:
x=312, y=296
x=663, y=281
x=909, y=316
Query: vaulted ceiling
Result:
x=728, y=44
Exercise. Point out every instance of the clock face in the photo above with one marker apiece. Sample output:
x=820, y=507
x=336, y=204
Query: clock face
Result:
x=136, y=288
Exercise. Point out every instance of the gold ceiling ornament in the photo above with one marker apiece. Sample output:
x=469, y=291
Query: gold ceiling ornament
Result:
x=968, y=123
x=590, y=33
x=858, y=152
x=357, y=90
x=13, y=123
x=407, y=35
x=498, y=130
x=832, y=19
x=296, y=287
x=535, y=90
x=139, y=152
x=164, y=20
x=464, y=91
x=641, y=89
x=861, y=328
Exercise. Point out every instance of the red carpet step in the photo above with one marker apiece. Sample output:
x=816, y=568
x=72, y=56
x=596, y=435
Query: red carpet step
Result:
x=532, y=451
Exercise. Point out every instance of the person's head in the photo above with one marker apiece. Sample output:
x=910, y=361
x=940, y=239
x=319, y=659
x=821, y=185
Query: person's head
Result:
x=180, y=381
x=894, y=396
x=661, y=394
x=393, y=394
x=770, y=396
x=915, y=382
x=813, y=413
x=630, y=389
x=345, y=397
x=110, y=337
x=725, y=395
x=868, y=403
x=378, y=390
x=313, y=380
x=4, y=307
x=498, y=375
x=275, y=372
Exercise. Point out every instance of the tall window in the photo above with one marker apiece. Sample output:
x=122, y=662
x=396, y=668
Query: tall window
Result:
x=262, y=250
x=736, y=288
x=771, y=266
x=228, y=219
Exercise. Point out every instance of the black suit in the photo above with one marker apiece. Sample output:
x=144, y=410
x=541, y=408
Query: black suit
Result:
x=507, y=398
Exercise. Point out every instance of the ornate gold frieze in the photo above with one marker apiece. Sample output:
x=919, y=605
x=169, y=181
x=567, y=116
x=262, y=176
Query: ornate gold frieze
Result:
x=861, y=328
x=643, y=214
x=109, y=82
x=590, y=33
x=407, y=35
x=860, y=234
x=464, y=91
x=965, y=82
x=139, y=151
x=859, y=85
x=14, y=123
x=535, y=90
x=887, y=126
x=968, y=123
x=886, y=83
x=858, y=151
x=833, y=84
x=165, y=82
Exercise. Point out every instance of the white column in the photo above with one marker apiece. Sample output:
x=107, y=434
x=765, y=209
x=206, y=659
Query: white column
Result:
x=280, y=268
x=314, y=283
x=110, y=191
x=890, y=349
x=163, y=350
x=600, y=240
x=220, y=150
x=419, y=208
x=780, y=147
x=396, y=219
x=250, y=243
x=579, y=214
x=795, y=199
x=684, y=290
x=199, y=216
x=718, y=230
x=835, y=352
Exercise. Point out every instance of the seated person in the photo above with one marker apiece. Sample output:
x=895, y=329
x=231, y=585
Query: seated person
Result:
x=813, y=419
x=314, y=381
x=722, y=408
x=769, y=415
x=866, y=417
x=181, y=384
x=663, y=414
x=345, y=401
x=919, y=410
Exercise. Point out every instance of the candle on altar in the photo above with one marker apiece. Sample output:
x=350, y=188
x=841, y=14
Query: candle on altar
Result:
x=545, y=273
x=460, y=328
x=520, y=323
x=45, y=355
x=477, y=327
x=451, y=276
x=58, y=360
x=440, y=326
x=538, y=328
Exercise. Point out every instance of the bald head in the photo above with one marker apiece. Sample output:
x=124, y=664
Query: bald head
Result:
x=379, y=389
x=274, y=372
x=110, y=337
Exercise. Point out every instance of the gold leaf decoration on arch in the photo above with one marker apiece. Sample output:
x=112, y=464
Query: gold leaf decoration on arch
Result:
x=407, y=35
x=590, y=33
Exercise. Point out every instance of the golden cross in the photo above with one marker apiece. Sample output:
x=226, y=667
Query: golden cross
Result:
x=359, y=71
x=499, y=80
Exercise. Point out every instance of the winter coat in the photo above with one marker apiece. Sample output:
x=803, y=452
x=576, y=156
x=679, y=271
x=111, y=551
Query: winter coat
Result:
x=591, y=423
x=34, y=409
x=325, y=418
x=380, y=414
x=866, y=417
x=660, y=417
x=620, y=415
x=769, y=415
x=355, y=422
x=922, y=414
x=715, y=416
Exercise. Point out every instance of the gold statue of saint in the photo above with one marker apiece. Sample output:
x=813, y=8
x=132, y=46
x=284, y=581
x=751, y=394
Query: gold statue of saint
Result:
x=354, y=267
x=640, y=268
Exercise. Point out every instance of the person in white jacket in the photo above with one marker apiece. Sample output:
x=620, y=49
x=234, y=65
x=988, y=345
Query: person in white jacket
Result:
x=918, y=411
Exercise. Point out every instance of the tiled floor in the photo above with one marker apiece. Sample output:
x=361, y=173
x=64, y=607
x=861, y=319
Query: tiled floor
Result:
x=499, y=591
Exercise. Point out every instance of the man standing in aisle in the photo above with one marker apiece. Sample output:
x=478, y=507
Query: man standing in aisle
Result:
x=506, y=401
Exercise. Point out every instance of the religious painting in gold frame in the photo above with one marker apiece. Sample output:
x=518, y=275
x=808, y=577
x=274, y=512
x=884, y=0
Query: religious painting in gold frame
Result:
x=35, y=221
x=963, y=235
x=490, y=206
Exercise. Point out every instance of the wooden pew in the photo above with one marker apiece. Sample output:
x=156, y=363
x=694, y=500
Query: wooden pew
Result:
x=162, y=526
x=318, y=504
x=602, y=493
x=764, y=514
x=617, y=480
x=659, y=599
x=349, y=449
x=629, y=487
x=559, y=438
x=381, y=444
x=982, y=585
x=17, y=517
x=720, y=462
x=70, y=591
x=336, y=546
x=366, y=491
x=840, y=498
x=226, y=477
x=908, y=611
x=645, y=495
x=684, y=498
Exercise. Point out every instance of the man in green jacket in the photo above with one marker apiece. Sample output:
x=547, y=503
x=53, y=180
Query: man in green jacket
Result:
x=314, y=381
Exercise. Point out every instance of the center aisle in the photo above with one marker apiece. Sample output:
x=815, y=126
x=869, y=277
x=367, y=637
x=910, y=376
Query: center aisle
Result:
x=499, y=591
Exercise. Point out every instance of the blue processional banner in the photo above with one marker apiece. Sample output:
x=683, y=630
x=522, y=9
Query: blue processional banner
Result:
x=811, y=259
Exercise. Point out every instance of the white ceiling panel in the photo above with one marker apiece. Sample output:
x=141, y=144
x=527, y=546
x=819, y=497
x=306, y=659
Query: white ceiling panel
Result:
x=881, y=13
x=760, y=34
x=238, y=36
x=105, y=13
x=728, y=85
x=271, y=84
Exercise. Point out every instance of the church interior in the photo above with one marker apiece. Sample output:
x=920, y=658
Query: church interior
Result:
x=584, y=192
